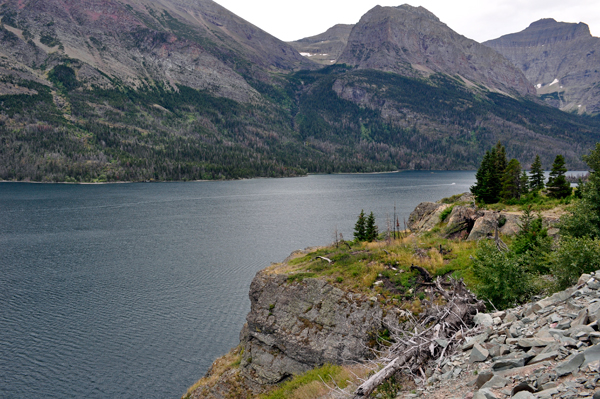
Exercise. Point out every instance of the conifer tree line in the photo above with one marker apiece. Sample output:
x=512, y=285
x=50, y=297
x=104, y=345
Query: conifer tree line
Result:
x=498, y=179
x=365, y=228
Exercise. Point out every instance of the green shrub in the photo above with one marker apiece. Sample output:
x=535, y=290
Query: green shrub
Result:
x=501, y=279
x=574, y=257
x=445, y=213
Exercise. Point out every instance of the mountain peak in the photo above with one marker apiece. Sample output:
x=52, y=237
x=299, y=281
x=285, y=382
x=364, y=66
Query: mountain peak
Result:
x=412, y=41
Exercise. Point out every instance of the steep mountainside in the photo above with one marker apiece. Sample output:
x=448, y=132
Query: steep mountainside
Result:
x=103, y=90
x=411, y=40
x=561, y=59
x=326, y=47
x=196, y=43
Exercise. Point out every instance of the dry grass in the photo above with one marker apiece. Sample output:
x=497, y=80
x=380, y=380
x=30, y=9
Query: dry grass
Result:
x=223, y=364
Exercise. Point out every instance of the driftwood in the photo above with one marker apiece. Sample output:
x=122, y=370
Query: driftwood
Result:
x=412, y=346
x=324, y=258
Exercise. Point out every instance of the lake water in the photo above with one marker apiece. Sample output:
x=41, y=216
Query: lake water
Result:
x=132, y=290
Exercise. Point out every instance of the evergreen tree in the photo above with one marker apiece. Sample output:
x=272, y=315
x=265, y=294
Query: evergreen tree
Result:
x=524, y=183
x=371, y=230
x=558, y=186
x=536, y=181
x=488, y=178
x=511, y=180
x=360, y=227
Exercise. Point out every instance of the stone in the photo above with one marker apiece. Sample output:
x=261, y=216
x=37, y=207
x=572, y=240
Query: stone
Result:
x=570, y=365
x=530, y=342
x=478, y=339
x=593, y=312
x=496, y=382
x=522, y=387
x=593, y=284
x=596, y=395
x=441, y=342
x=592, y=354
x=425, y=216
x=478, y=354
x=482, y=378
x=584, y=279
x=524, y=395
x=487, y=393
x=483, y=319
x=581, y=319
x=543, y=357
x=547, y=393
x=484, y=227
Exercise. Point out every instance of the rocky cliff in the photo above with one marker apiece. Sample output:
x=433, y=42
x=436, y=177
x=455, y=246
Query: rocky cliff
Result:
x=560, y=59
x=295, y=325
x=412, y=41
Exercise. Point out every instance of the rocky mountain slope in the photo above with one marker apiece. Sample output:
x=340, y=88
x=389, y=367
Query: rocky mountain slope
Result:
x=326, y=47
x=196, y=43
x=411, y=40
x=144, y=90
x=562, y=61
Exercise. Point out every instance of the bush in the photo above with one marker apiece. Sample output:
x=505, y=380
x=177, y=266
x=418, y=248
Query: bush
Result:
x=502, y=280
x=574, y=257
x=445, y=213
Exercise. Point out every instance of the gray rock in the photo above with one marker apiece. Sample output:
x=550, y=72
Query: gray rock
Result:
x=487, y=393
x=596, y=395
x=483, y=319
x=478, y=354
x=592, y=354
x=584, y=279
x=543, y=357
x=524, y=395
x=511, y=361
x=594, y=312
x=482, y=378
x=496, y=382
x=581, y=319
x=530, y=342
x=441, y=342
x=484, y=227
x=570, y=365
x=425, y=216
x=478, y=339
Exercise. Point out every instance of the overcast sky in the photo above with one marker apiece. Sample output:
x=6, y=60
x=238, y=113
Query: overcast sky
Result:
x=478, y=20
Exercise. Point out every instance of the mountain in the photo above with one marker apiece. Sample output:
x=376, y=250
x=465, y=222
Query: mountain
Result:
x=561, y=59
x=412, y=41
x=198, y=43
x=326, y=47
x=139, y=90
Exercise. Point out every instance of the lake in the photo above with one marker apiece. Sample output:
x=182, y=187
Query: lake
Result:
x=132, y=290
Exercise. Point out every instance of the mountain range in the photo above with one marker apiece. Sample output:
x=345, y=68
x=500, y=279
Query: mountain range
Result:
x=104, y=90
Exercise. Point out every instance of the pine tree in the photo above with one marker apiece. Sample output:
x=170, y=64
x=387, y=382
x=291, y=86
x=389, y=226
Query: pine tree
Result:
x=524, y=183
x=360, y=227
x=511, y=179
x=371, y=231
x=536, y=181
x=488, y=178
x=558, y=186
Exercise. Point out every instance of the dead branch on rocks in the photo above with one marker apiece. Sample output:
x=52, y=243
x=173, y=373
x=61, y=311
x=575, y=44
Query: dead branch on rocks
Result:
x=432, y=336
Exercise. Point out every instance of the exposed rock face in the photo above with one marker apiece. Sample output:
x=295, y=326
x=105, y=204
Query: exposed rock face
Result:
x=294, y=327
x=561, y=59
x=326, y=47
x=425, y=216
x=411, y=41
x=196, y=43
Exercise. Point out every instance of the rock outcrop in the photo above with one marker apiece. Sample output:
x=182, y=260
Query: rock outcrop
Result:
x=294, y=327
x=467, y=221
x=412, y=41
x=561, y=59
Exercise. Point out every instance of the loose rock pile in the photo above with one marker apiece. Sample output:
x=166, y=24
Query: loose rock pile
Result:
x=546, y=349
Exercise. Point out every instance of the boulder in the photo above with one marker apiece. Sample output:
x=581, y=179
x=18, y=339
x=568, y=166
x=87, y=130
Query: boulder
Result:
x=511, y=223
x=484, y=227
x=462, y=218
x=425, y=216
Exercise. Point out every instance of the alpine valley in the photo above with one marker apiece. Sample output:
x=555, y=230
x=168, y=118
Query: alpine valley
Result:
x=135, y=90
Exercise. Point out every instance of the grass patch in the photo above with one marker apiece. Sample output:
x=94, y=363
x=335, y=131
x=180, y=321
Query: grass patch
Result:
x=310, y=384
x=220, y=366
